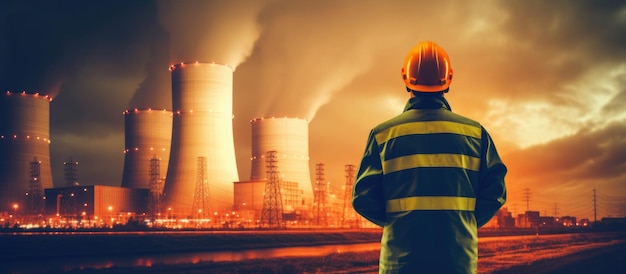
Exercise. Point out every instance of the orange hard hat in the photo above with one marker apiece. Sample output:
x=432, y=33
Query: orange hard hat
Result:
x=427, y=68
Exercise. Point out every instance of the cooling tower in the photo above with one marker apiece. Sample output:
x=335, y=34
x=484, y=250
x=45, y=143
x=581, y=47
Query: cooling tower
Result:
x=148, y=136
x=24, y=136
x=202, y=99
x=290, y=138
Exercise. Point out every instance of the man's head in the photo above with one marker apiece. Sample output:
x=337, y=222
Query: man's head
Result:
x=427, y=69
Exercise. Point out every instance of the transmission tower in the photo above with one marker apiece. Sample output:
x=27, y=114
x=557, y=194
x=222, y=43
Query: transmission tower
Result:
x=71, y=172
x=349, y=215
x=155, y=202
x=556, y=210
x=321, y=195
x=201, y=199
x=594, y=206
x=272, y=213
x=527, y=198
x=35, y=199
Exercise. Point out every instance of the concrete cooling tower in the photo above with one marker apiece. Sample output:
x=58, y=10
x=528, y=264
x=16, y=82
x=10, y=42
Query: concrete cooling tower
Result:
x=24, y=137
x=202, y=99
x=289, y=137
x=148, y=136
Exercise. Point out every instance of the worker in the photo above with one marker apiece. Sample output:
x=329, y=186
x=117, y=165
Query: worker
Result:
x=429, y=177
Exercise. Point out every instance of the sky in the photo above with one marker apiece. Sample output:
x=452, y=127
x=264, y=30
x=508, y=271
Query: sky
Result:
x=547, y=79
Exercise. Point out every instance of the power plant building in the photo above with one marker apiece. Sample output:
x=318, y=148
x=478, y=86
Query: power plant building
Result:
x=202, y=99
x=95, y=202
x=24, y=139
x=289, y=137
x=249, y=195
x=148, y=135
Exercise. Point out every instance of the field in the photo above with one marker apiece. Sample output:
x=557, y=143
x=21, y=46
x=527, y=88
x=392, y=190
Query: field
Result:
x=496, y=254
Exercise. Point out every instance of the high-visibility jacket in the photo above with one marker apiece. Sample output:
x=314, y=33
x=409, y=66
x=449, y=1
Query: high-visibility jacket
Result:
x=430, y=178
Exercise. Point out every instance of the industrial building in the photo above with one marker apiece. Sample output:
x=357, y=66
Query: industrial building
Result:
x=95, y=205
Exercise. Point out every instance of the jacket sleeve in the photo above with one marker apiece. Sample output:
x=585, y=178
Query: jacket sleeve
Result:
x=367, y=196
x=491, y=194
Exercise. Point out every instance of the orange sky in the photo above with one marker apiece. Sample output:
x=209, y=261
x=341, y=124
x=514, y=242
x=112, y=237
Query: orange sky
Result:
x=547, y=79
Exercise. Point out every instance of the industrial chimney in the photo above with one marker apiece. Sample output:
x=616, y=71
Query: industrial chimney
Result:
x=202, y=99
x=148, y=135
x=24, y=136
x=289, y=137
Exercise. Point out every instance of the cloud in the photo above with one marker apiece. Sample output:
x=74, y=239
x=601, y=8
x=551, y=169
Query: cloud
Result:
x=615, y=107
x=566, y=168
x=46, y=42
x=597, y=154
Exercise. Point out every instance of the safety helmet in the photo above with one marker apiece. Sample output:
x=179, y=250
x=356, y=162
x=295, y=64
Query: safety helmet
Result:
x=427, y=68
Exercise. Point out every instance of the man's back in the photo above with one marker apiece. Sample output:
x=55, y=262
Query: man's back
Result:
x=426, y=163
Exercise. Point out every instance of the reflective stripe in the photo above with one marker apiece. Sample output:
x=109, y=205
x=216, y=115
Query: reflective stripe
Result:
x=431, y=160
x=428, y=127
x=431, y=203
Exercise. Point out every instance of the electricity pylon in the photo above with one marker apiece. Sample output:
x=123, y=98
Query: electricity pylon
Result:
x=349, y=216
x=155, y=202
x=201, y=207
x=321, y=196
x=272, y=213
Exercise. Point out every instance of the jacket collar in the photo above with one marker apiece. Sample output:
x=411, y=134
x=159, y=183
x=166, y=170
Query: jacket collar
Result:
x=427, y=102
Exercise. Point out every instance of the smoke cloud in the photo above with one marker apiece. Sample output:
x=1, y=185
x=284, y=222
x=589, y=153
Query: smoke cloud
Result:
x=304, y=62
x=155, y=90
x=188, y=31
x=210, y=31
